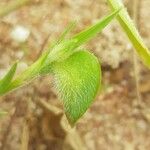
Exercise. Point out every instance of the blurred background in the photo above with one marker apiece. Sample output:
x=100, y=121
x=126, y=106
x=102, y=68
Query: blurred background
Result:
x=119, y=119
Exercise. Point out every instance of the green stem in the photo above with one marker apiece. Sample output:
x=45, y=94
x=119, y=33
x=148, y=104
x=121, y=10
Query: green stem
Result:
x=131, y=31
x=26, y=76
x=22, y=79
x=12, y=6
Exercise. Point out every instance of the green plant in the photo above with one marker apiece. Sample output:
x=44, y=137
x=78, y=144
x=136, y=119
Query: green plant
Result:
x=131, y=31
x=76, y=72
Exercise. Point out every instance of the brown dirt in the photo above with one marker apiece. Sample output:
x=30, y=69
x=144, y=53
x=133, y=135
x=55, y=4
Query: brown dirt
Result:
x=115, y=121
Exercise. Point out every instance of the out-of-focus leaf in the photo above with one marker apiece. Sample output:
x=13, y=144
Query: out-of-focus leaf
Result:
x=130, y=29
x=3, y=113
x=4, y=83
x=77, y=80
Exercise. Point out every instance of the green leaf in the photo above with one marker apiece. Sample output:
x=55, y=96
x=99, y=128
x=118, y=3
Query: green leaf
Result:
x=69, y=28
x=62, y=37
x=93, y=30
x=4, y=83
x=61, y=51
x=131, y=31
x=65, y=48
x=77, y=80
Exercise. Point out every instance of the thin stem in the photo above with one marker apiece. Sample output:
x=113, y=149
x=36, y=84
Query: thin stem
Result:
x=136, y=14
x=28, y=75
x=13, y=6
x=8, y=129
x=25, y=137
x=131, y=31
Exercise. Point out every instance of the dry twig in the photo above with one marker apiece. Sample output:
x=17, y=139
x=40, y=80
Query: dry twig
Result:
x=25, y=137
x=136, y=17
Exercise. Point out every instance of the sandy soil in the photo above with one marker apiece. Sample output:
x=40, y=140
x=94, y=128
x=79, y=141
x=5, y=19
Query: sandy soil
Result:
x=115, y=121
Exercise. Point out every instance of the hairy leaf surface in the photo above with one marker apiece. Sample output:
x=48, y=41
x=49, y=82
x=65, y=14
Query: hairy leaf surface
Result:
x=77, y=80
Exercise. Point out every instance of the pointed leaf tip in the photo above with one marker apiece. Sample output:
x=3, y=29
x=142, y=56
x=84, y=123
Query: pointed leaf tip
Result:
x=77, y=80
x=93, y=30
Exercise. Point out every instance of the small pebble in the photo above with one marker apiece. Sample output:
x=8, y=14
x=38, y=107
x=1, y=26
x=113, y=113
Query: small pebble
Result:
x=20, y=33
